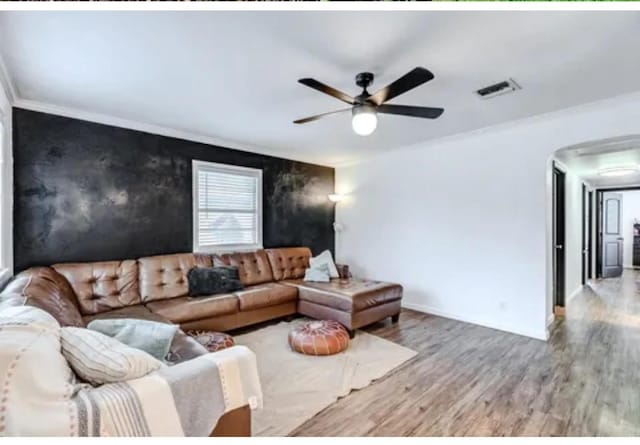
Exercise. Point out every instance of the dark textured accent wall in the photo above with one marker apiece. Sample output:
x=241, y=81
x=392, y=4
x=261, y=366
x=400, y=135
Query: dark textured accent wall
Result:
x=90, y=192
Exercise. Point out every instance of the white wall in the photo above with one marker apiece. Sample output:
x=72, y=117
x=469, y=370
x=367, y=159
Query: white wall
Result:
x=6, y=184
x=630, y=212
x=464, y=223
x=573, y=234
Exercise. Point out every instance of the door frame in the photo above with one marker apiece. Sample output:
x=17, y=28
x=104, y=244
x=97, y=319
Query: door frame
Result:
x=559, y=213
x=584, y=234
x=599, y=192
x=590, y=196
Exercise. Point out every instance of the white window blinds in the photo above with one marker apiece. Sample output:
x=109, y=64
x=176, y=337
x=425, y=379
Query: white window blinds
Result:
x=227, y=207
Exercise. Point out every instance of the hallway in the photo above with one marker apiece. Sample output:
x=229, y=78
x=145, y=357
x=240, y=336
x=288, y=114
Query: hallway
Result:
x=598, y=346
x=468, y=380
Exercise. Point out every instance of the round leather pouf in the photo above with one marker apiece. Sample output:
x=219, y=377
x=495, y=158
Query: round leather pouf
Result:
x=213, y=341
x=322, y=337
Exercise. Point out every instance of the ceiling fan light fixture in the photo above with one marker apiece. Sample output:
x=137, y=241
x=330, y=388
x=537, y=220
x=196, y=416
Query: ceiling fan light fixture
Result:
x=617, y=171
x=365, y=107
x=364, y=120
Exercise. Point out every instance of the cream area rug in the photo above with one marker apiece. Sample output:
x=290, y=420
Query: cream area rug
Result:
x=296, y=387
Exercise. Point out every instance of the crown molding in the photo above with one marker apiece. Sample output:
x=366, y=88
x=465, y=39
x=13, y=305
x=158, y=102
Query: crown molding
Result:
x=15, y=100
x=503, y=126
x=106, y=119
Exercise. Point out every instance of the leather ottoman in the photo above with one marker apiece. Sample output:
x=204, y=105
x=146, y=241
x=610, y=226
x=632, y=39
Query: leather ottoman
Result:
x=352, y=302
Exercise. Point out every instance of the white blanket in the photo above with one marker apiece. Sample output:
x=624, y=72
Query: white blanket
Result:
x=42, y=396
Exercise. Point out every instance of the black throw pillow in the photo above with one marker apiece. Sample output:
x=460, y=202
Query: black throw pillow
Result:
x=213, y=280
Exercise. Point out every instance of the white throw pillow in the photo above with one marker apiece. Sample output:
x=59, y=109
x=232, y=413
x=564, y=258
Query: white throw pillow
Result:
x=100, y=359
x=38, y=380
x=325, y=258
x=318, y=273
x=28, y=315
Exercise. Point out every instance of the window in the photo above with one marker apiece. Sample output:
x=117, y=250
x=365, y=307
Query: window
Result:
x=227, y=207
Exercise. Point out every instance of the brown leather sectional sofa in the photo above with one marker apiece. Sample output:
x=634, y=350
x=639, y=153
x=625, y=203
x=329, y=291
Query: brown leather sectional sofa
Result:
x=156, y=288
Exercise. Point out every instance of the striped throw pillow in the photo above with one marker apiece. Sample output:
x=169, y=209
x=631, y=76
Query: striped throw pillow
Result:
x=97, y=358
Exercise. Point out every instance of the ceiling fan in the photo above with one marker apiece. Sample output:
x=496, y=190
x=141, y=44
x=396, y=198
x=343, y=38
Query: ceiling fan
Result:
x=365, y=106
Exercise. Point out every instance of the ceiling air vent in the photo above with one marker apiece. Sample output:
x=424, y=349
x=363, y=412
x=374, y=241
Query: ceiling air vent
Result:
x=504, y=87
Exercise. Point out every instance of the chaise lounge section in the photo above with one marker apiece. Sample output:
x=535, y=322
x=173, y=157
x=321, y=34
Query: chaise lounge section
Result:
x=354, y=303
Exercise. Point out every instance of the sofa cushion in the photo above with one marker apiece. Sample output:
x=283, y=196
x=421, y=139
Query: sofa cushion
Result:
x=152, y=337
x=351, y=295
x=44, y=288
x=184, y=309
x=165, y=276
x=97, y=358
x=289, y=262
x=137, y=311
x=37, y=380
x=317, y=273
x=253, y=267
x=102, y=286
x=183, y=346
x=325, y=258
x=263, y=295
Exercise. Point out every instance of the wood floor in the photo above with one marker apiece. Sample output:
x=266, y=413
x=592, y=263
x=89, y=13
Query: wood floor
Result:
x=473, y=381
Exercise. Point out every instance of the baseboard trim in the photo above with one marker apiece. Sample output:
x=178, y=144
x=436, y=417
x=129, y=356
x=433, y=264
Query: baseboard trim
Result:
x=550, y=320
x=510, y=329
x=573, y=294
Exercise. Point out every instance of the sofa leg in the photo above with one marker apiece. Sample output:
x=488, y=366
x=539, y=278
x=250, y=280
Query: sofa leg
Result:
x=395, y=318
x=352, y=333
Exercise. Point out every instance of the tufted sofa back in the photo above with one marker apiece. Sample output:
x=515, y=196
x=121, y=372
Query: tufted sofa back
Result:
x=73, y=291
x=165, y=276
x=253, y=267
x=289, y=263
x=102, y=286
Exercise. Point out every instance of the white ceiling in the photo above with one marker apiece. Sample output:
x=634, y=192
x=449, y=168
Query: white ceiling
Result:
x=587, y=160
x=232, y=75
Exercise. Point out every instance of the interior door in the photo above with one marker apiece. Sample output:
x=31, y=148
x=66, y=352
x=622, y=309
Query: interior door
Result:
x=558, y=237
x=612, y=240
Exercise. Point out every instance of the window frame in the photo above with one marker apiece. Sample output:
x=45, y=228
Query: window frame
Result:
x=196, y=167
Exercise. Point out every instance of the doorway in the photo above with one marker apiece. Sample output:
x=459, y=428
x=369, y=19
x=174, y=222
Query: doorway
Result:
x=617, y=245
x=559, y=210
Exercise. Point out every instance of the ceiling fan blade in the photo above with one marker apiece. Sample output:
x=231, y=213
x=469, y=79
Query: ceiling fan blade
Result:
x=412, y=79
x=407, y=110
x=326, y=89
x=319, y=116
